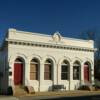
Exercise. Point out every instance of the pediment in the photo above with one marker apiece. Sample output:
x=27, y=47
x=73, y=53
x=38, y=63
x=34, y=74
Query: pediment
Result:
x=56, y=37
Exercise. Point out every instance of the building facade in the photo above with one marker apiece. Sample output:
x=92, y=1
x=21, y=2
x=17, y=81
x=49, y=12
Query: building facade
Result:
x=40, y=61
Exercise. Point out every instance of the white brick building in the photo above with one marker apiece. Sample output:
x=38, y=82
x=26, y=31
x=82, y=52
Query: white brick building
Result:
x=39, y=60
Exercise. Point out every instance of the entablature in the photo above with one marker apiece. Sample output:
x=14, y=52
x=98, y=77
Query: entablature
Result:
x=49, y=45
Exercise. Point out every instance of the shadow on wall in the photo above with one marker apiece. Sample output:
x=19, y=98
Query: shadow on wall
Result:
x=9, y=91
x=50, y=88
x=62, y=87
x=76, y=87
x=57, y=87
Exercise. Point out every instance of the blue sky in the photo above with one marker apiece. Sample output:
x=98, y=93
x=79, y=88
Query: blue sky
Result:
x=69, y=17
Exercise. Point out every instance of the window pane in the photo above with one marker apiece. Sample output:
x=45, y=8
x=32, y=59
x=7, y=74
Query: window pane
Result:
x=64, y=76
x=76, y=76
x=33, y=67
x=76, y=72
x=64, y=68
x=47, y=72
x=47, y=68
x=33, y=76
x=33, y=72
x=47, y=76
x=64, y=72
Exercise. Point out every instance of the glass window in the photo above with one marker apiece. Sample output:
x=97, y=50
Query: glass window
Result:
x=76, y=71
x=64, y=70
x=48, y=70
x=34, y=69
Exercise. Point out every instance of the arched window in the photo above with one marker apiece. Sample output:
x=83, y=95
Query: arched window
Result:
x=76, y=71
x=48, y=69
x=34, y=67
x=65, y=70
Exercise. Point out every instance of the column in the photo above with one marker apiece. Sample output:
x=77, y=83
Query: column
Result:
x=92, y=74
x=55, y=74
x=26, y=73
x=58, y=73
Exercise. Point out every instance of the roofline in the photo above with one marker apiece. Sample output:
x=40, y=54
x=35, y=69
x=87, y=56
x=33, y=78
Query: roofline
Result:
x=46, y=35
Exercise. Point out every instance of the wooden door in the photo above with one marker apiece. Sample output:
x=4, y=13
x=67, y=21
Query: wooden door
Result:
x=18, y=73
x=86, y=73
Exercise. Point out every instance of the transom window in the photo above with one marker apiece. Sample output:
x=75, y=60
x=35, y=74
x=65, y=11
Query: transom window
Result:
x=34, y=64
x=48, y=69
x=76, y=70
x=18, y=60
x=64, y=70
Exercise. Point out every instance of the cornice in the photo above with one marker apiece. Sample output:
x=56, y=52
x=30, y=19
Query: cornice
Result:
x=49, y=45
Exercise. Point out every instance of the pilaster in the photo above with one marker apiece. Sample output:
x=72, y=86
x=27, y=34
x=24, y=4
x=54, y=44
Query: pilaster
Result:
x=71, y=76
x=41, y=76
x=55, y=74
x=92, y=74
x=26, y=73
x=82, y=73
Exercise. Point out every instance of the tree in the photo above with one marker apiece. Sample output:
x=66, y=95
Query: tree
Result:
x=94, y=35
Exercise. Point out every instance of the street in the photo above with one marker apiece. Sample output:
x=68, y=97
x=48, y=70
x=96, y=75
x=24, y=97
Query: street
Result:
x=93, y=97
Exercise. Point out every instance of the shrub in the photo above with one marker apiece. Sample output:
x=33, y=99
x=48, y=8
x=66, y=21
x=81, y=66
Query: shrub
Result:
x=9, y=91
x=58, y=87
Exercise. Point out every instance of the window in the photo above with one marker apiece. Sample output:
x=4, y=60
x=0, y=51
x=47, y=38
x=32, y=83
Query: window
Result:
x=34, y=69
x=64, y=70
x=18, y=60
x=48, y=70
x=76, y=71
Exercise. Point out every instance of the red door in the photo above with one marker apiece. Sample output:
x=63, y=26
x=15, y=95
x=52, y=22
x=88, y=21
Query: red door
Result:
x=18, y=73
x=86, y=73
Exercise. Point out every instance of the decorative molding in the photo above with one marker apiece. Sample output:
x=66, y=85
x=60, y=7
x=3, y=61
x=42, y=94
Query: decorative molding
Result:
x=56, y=37
x=64, y=58
x=35, y=56
x=49, y=57
x=88, y=60
x=49, y=45
x=77, y=59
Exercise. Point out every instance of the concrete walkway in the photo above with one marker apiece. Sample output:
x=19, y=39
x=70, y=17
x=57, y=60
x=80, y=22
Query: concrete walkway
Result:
x=44, y=95
x=54, y=95
x=63, y=93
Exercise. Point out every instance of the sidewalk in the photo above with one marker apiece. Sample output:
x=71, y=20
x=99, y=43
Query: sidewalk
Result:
x=50, y=94
x=64, y=93
x=67, y=94
x=8, y=98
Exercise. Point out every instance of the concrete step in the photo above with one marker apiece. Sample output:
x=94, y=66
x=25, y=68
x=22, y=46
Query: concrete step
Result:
x=19, y=90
